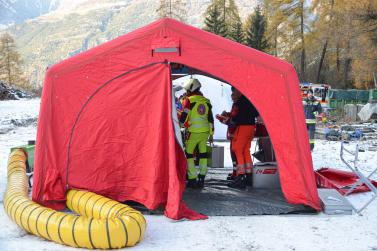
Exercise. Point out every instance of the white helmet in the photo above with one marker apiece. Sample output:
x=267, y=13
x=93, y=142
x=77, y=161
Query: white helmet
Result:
x=192, y=85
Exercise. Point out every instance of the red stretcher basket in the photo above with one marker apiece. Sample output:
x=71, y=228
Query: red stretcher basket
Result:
x=339, y=180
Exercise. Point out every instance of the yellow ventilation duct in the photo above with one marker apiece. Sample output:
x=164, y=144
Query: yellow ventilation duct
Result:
x=101, y=222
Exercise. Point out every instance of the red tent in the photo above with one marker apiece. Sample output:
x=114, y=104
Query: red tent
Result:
x=105, y=123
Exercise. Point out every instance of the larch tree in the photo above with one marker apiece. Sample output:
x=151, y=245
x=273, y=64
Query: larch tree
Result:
x=172, y=8
x=233, y=21
x=329, y=42
x=10, y=62
x=275, y=18
x=324, y=25
x=364, y=51
x=334, y=43
x=292, y=28
x=343, y=49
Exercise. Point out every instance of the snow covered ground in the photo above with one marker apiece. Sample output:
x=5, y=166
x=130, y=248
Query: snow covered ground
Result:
x=288, y=232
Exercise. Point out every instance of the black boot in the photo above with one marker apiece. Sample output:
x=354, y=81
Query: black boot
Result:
x=191, y=183
x=201, y=181
x=232, y=175
x=249, y=179
x=238, y=182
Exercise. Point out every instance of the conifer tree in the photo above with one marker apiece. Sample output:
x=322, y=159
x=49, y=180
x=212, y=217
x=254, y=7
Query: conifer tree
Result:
x=214, y=19
x=10, y=62
x=222, y=18
x=255, y=30
x=238, y=34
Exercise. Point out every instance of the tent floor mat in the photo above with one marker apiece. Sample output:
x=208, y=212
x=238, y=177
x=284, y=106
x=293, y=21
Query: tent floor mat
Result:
x=217, y=199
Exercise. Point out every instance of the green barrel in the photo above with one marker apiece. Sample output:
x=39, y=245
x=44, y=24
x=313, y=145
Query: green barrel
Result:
x=29, y=150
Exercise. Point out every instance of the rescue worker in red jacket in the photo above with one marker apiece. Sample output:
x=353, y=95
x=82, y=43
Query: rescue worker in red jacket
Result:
x=226, y=118
x=243, y=118
x=197, y=116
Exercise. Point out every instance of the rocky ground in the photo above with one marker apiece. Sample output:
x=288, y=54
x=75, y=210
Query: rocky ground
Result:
x=11, y=93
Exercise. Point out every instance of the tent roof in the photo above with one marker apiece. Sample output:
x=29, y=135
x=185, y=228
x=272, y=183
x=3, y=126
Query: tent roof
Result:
x=227, y=46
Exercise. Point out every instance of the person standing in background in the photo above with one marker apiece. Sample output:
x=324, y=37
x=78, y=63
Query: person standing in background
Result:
x=312, y=107
x=243, y=118
x=198, y=118
x=226, y=118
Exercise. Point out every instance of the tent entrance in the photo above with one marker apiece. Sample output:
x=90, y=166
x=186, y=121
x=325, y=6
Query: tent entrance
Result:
x=217, y=198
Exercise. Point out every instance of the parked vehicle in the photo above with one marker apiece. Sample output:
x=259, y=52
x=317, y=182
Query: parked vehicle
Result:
x=320, y=91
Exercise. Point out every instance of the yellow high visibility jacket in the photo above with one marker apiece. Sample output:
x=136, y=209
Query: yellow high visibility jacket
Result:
x=200, y=117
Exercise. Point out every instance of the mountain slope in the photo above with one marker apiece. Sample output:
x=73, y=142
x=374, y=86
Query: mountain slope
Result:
x=75, y=26
x=17, y=11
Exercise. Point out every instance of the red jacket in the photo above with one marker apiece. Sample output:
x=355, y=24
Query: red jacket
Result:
x=226, y=118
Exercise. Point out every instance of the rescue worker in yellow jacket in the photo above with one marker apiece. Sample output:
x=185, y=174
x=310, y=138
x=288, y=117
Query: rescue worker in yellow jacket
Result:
x=197, y=117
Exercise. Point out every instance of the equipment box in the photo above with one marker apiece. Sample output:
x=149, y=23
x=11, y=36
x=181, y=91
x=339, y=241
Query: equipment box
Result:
x=29, y=150
x=215, y=156
x=266, y=175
